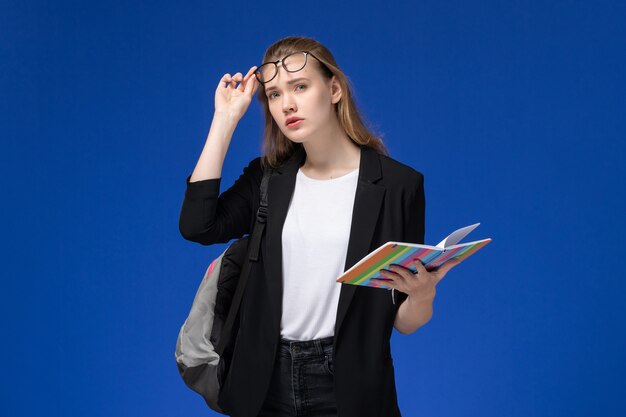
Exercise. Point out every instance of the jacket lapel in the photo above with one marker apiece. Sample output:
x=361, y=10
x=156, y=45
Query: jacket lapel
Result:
x=367, y=204
x=280, y=189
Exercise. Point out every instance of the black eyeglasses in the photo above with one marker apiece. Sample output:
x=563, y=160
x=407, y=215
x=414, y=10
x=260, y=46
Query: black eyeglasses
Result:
x=291, y=63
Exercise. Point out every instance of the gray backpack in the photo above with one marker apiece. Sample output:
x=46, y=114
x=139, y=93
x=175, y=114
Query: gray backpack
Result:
x=206, y=339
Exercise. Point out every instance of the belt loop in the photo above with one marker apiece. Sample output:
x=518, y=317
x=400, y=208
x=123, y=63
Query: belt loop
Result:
x=318, y=347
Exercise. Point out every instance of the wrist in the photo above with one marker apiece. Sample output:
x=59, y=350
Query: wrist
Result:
x=423, y=297
x=226, y=116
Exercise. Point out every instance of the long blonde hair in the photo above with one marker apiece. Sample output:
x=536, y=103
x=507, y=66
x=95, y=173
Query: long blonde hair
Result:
x=276, y=146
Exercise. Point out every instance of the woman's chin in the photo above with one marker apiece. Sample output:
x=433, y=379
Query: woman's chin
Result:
x=295, y=138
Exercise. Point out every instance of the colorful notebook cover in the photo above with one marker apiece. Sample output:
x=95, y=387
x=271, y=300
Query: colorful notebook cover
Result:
x=402, y=253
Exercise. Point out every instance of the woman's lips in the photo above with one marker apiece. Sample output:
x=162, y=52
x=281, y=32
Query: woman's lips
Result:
x=295, y=124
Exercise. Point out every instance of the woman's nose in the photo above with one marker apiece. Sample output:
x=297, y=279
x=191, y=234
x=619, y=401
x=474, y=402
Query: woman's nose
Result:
x=288, y=103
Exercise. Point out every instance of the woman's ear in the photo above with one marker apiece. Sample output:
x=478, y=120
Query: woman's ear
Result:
x=335, y=90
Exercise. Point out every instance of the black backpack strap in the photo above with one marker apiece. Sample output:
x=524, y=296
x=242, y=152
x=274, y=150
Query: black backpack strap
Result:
x=261, y=218
x=254, y=248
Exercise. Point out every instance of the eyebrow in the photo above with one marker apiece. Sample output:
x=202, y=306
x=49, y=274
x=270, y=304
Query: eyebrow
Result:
x=295, y=80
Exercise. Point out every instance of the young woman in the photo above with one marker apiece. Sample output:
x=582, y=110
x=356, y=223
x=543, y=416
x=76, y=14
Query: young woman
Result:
x=308, y=345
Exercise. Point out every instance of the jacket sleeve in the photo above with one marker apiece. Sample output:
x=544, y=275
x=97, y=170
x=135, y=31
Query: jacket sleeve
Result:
x=208, y=217
x=414, y=210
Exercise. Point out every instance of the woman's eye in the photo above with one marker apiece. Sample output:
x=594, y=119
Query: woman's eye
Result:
x=271, y=95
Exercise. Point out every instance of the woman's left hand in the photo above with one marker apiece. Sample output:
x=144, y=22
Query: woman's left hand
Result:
x=419, y=285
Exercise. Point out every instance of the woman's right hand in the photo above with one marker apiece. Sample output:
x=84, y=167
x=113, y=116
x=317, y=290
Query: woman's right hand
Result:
x=235, y=100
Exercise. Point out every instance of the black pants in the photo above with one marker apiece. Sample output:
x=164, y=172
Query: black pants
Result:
x=302, y=381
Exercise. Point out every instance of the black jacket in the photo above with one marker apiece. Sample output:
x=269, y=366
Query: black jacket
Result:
x=389, y=205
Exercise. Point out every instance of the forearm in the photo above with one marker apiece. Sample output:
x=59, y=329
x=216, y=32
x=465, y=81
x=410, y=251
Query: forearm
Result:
x=414, y=313
x=211, y=159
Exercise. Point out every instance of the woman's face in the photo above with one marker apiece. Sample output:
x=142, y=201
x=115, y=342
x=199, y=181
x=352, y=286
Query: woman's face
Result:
x=305, y=95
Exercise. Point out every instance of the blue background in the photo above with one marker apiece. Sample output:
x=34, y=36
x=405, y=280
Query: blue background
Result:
x=513, y=111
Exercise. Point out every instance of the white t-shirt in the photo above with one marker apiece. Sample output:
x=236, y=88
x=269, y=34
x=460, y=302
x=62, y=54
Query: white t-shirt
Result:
x=314, y=244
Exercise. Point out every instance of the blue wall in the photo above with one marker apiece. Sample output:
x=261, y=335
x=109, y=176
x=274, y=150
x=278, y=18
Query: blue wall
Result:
x=514, y=112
